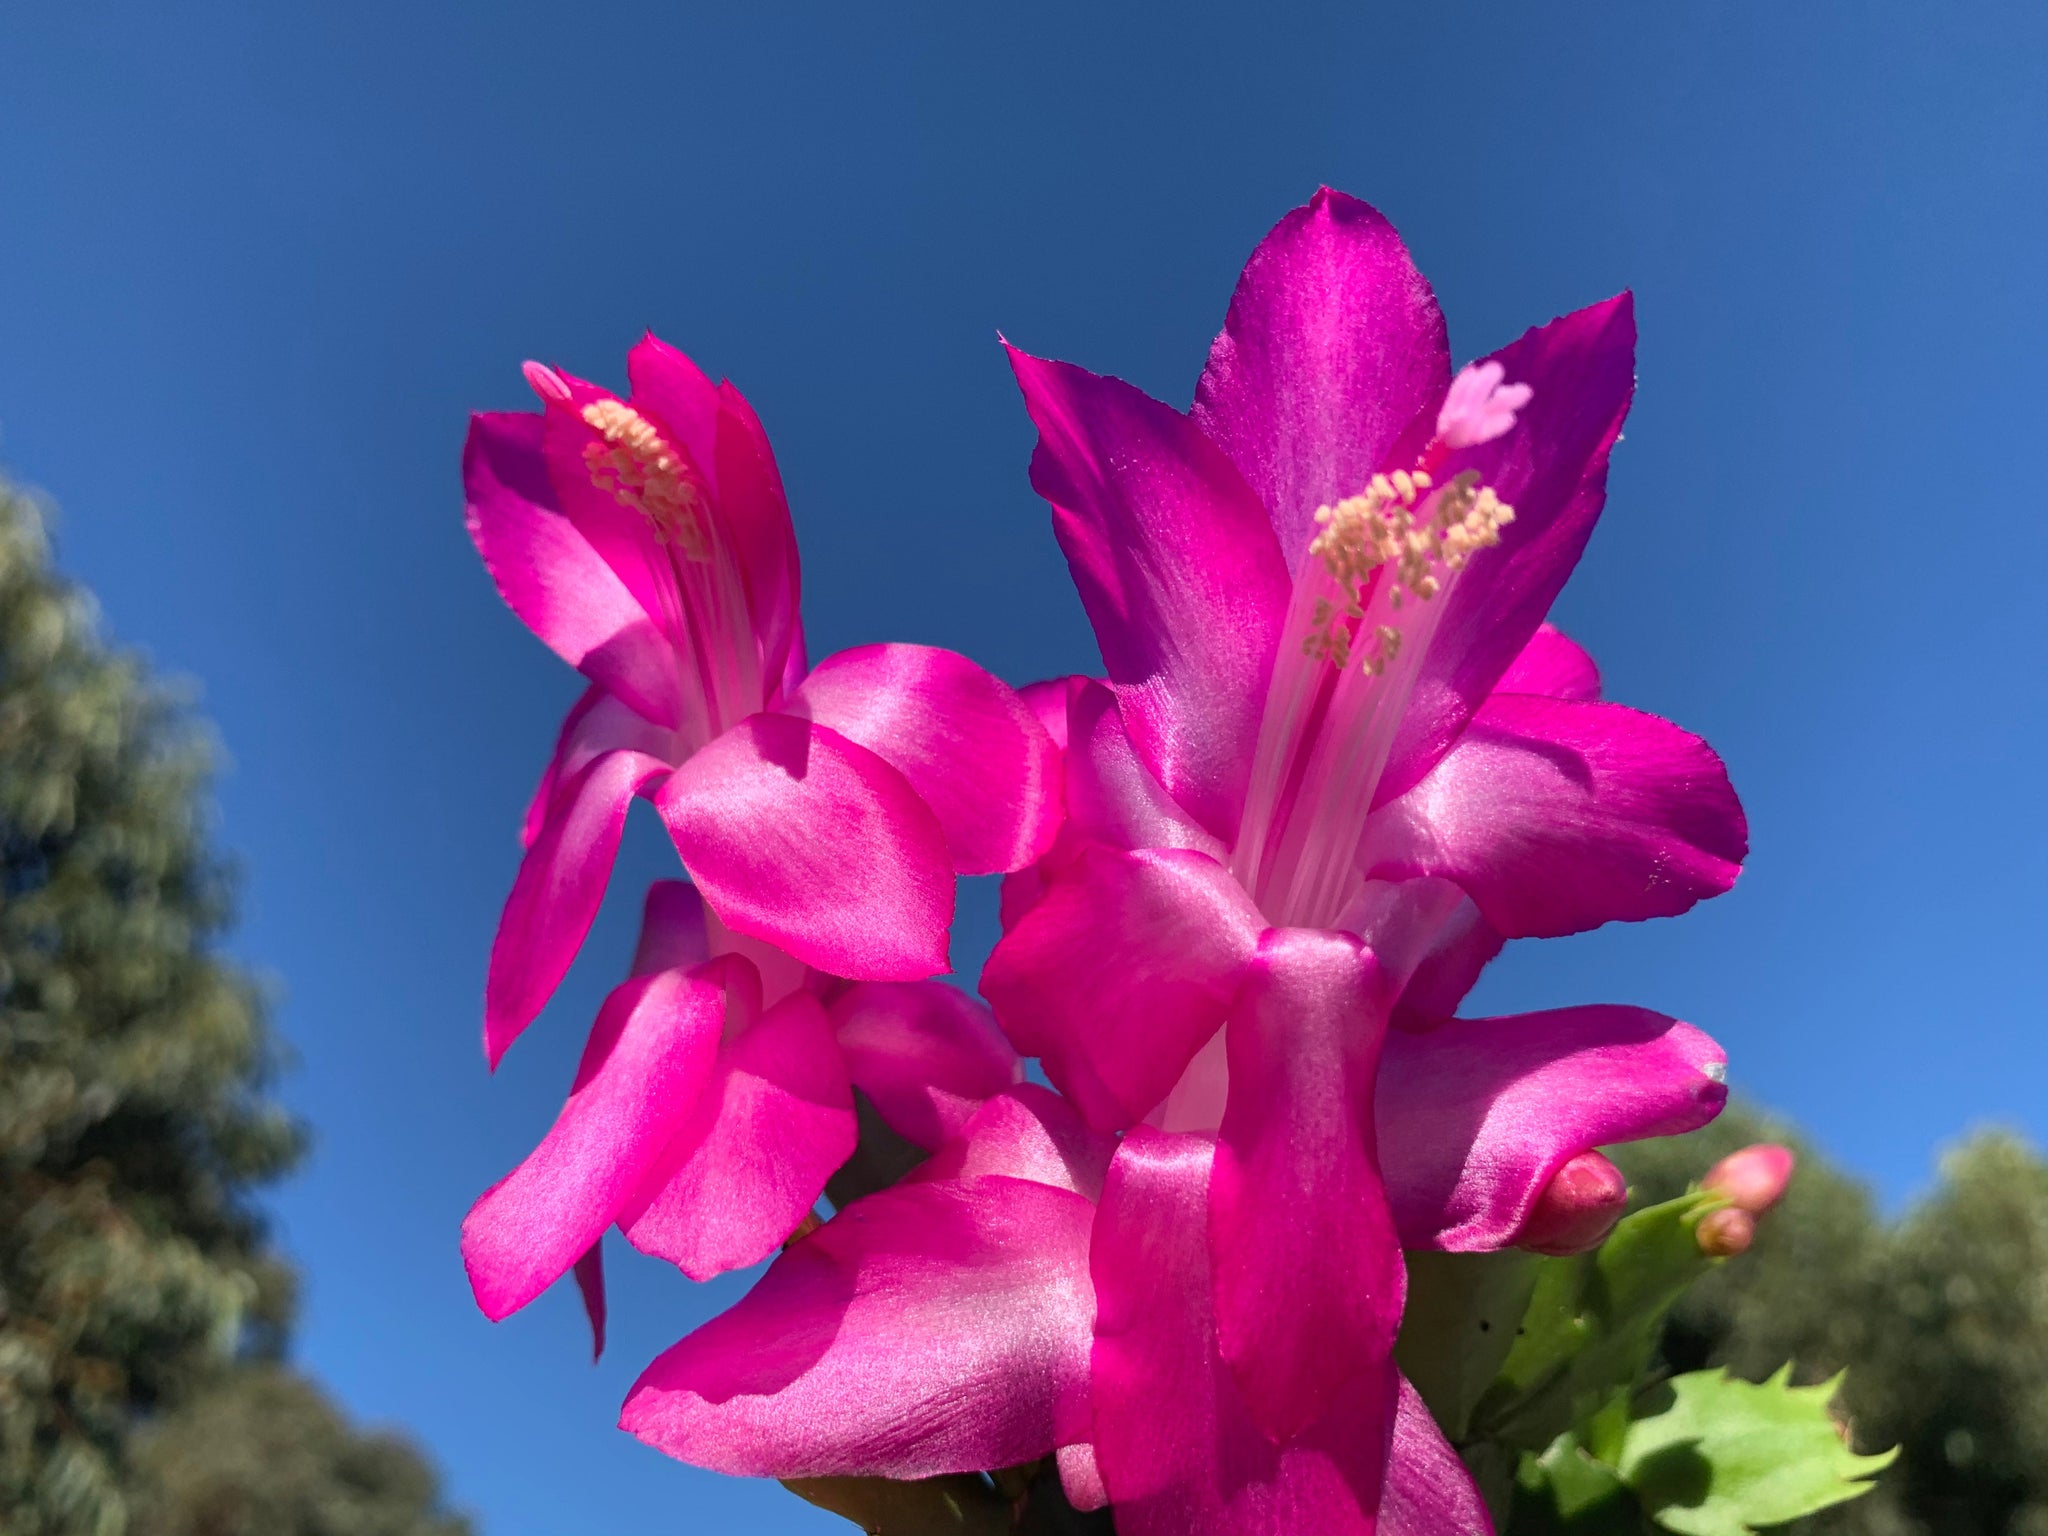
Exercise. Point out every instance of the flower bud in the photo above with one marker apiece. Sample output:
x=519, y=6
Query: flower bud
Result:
x=1724, y=1233
x=1751, y=1180
x=1577, y=1209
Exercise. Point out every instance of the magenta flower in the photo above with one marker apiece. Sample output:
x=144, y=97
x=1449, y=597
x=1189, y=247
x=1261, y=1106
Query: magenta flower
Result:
x=821, y=813
x=1337, y=762
x=978, y=1315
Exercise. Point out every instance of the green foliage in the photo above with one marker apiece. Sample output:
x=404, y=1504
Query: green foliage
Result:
x=1943, y=1318
x=1727, y=1456
x=134, y=1271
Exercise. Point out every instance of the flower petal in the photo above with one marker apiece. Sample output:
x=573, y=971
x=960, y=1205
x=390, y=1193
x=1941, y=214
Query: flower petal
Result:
x=1177, y=567
x=681, y=401
x=773, y=1121
x=1080, y=1477
x=672, y=931
x=1464, y=945
x=1120, y=972
x=1429, y=1492
x=1556, y=816
x=1178, y=1450
x=1476, y=1115
x=1552, y=468
x=1026, y=1132
x=926, y=1053
x=927, y=1329
x=1334, y=344
x=589, y=1271
x=1112, y=796
x=550, y=576
x=1553, y=665
x=756, y=514
x=1047, y=701
x=559, y=887
x=798, y=836
x=648, y=1056
x=963, y=738
x=1309, y=1281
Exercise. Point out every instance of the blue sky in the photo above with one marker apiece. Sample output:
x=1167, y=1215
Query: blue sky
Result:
x=260, y=261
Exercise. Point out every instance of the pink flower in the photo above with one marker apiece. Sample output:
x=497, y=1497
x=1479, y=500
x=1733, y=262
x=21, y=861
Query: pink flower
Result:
x=1036, y=1289
x=1337, y=762
x=822, y=814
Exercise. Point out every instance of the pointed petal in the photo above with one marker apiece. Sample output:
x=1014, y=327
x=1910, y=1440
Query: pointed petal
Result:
x=926, y=1053
x=1552, y=468
x=1120, y=973
x=1429, y=1492
x=1464, y=946
x=672, y=933
x=590, y=1286
x=798, y=836
x=673, y=392
x=1333, y=345
x=1553, y=665
x=1178, y=1450
x=1477, y=1115
x=756, y=513
x=1309, y=1281
x=968, y=745
x=929, y=1328
x=649, y=1054
x=558, y=889
x=773, y=1121
x=1177, y=567
x=550, y=576
x=1027, y=1132
x=1557, y=816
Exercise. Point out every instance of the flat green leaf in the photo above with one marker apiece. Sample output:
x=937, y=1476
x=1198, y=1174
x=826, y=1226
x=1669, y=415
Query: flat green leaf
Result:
x=1729, y=1456
x=1565, y=1492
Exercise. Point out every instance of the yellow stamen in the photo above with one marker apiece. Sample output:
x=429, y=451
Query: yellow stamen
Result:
x=640, y=470
x=1395, y=521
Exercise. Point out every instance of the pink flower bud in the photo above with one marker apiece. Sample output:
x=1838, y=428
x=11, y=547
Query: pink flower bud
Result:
x=1724, y=1233
x=1752, y=1179
x=1577, y=1209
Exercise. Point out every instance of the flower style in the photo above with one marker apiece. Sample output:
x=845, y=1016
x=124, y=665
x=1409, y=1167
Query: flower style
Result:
x=822, y=814
x=1337, y=762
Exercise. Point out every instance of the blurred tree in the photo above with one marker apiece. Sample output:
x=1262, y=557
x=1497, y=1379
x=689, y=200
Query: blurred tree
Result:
x=1941, y=1321
x=134, y=1272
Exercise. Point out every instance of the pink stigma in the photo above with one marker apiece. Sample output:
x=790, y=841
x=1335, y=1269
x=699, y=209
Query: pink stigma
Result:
x=1479, y=407
x=548, y=384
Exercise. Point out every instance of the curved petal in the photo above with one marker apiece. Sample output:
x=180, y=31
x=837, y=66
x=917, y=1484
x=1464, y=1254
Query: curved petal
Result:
x=962, y=737
x=927, y=1329
x=773, y=1121
x=1026, y=1132
x=756, y=514
x=672, y=931
x=1178, y=1451
x=1478, y=1114
x=589, y=1271
x=926, y=1053
x=1465, y=945
x=1557, y=816
x=559, y=887
x=1309, y=1280
x=1112, y=796
x=673, y=391
x=798, y=836
x=1120, y=972
x=1428, y=1492
x=1333, y=345
x=1177, y=567
x=1047, y=701
x=550, y=576
x=1080, y=1477
x=1553, y=665
x=1552, y=468
x=648, y=1056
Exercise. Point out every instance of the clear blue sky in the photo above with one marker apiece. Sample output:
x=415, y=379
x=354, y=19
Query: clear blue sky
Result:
x=258, y=263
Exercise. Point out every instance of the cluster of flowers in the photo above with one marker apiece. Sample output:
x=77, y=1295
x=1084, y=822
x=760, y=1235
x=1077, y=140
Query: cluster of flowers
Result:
x=1336, y=761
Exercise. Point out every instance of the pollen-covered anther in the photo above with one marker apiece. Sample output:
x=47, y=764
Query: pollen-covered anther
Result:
x=1424, y=533
x=636, y=465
